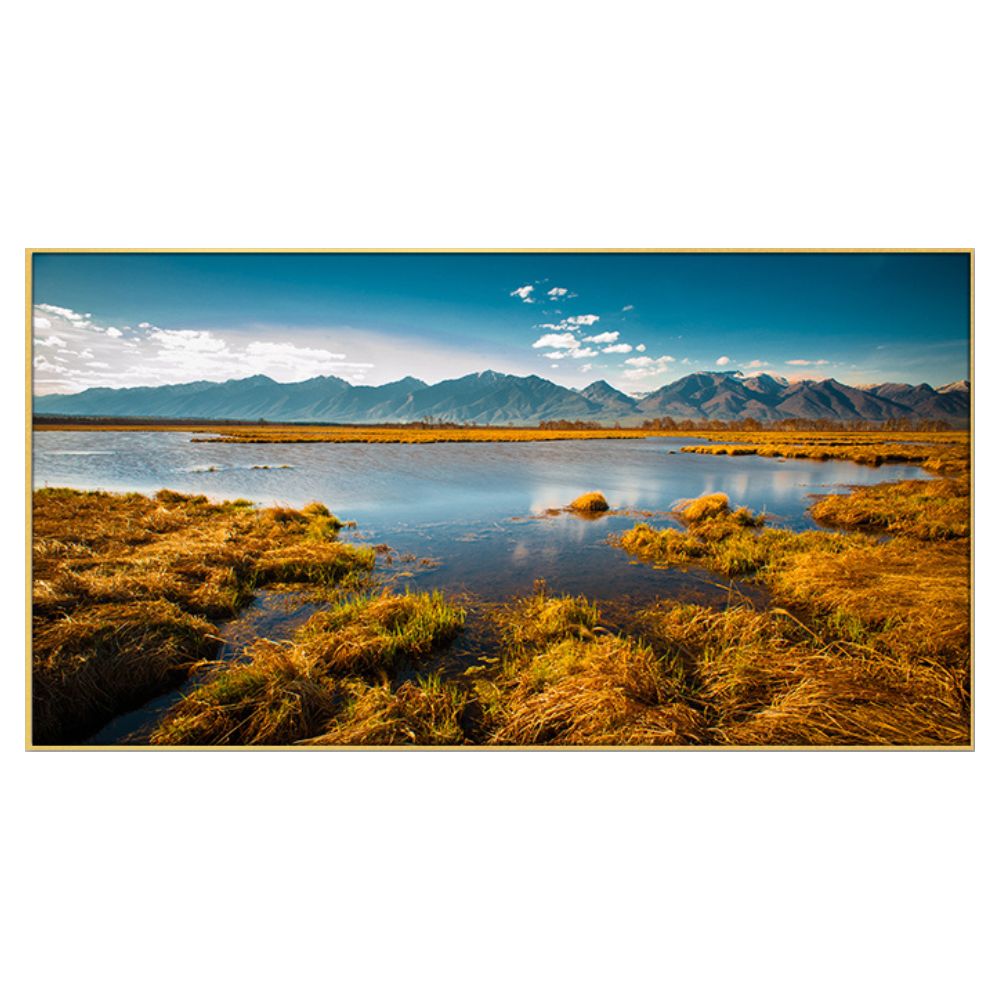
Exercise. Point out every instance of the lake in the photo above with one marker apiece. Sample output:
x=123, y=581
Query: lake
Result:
x=476, y=511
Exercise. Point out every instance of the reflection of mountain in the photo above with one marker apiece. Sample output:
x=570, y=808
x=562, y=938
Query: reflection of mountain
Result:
x=493, y=398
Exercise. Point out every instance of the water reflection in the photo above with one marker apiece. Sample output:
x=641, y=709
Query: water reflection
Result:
x=470, y=506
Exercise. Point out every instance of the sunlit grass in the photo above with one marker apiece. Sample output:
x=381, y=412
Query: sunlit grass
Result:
x=333, y=678
x=868, y=641
x=125, y=588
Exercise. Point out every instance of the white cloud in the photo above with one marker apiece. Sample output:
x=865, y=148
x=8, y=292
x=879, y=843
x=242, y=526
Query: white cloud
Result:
x=649, y=362
x=557, y=293
x=557, y=340
x=63, y=312
x=41, y=322
x=640, y=347
x=723, y=360
x=201, y=341
x=802, y=361
x=555, y=354
x=626, y=309
x=588, y=319
x=583, y=352
x=267, y=349
x=604, y=338
x=586, y=367
x=145, y=354
x=524, y=293
x=617, y=349
x=42, y=364
x=563, y=324
x=646, y=367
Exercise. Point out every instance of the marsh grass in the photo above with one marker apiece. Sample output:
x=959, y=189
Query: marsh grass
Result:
x=766, y=679
x=334, y=677
x=872, y=643
x=427, y=711
x=941, y=452
x=99, y=660
x=564, y=679
x=934, y=510
x=589, y=503
x=125, y=588
x=866, y=641
x=417, y=433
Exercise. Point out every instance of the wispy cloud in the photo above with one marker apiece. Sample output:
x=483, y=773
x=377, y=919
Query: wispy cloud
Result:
x=557, y=293
x=628, y=308
x=804, y=362
x=524, y=293
x=617, y=349
x=198, y=341
x=51, y=341
x=587, y=319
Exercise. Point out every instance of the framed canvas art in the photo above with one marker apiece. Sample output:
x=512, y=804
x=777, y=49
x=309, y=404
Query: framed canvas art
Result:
x=485, y=499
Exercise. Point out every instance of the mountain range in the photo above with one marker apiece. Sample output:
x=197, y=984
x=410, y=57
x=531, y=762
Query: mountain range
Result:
x=490, y=397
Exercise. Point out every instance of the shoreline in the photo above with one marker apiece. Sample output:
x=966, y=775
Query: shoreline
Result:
x=254, y=433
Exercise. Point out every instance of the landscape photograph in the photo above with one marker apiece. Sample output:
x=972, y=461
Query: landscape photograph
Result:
x=500, y=499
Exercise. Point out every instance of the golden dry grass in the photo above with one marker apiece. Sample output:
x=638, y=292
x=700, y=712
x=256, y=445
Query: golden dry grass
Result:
x=105, y=658
x=838, y=437
x=869, y=641
x=589, y=503
x=566, y=680
x=125, y=588
x=765, y=679
x=424, y=434
x=714, y=507
x=938, y=451
x=424, y=712
x=938, y=509
x=333, y=678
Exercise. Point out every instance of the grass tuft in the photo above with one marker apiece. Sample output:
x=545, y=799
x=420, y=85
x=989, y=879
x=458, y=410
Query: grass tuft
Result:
x=589, y=503
x=89, y=665
x=333, y=677
x=565, y=680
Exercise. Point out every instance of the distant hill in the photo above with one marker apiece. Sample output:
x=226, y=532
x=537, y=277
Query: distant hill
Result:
x=494, y=398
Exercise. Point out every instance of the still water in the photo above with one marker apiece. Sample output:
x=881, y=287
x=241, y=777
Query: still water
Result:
x=476, y=510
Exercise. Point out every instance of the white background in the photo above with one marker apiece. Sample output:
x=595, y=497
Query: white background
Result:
x=504, y=125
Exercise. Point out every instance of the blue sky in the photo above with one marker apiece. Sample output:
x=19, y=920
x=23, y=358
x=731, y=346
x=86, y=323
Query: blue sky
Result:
x=636, y=320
